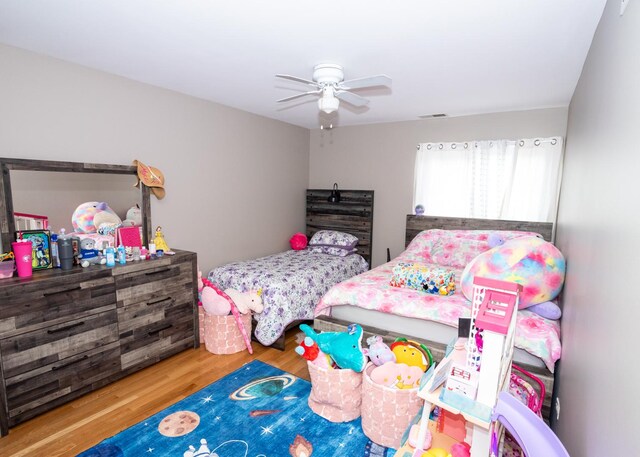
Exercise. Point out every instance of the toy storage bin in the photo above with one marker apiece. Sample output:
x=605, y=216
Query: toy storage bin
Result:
x=335, y=394
x=6, y=268
x=201, y=315
x=221, y=333
x=387, y=412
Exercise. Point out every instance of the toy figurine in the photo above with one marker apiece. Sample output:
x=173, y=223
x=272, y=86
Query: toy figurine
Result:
x=159, y=241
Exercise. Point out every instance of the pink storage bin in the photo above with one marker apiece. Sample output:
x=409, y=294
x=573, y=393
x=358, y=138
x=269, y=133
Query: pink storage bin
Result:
x=387, y=412
x=201, y=314
x=336, y=394
x=221, y=333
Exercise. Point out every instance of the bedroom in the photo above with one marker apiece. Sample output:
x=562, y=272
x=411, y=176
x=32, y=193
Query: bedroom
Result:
x=57, y=110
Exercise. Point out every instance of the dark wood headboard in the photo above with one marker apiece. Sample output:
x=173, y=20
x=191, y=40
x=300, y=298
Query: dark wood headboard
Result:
x=416, y=224
x=354, y=215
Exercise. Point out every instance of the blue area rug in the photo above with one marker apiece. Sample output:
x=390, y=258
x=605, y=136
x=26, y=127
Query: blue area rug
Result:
x=256, y=411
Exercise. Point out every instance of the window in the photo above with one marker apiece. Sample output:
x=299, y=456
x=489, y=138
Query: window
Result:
x=498, y=179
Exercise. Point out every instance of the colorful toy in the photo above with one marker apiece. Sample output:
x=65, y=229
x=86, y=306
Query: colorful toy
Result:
x=400, y=375
x=247, y=301
x=412, y=353
x=436, y=452
x=345, y=348
x=433, y=280
x=160, y=242
x=84, y=215
x=495, y=239
x=309, y=350
x=298, y=241
x=529, y=261
x=89, y=255
x=461, y=450
x=378, y=352
x=134, y=216
x=532, y=434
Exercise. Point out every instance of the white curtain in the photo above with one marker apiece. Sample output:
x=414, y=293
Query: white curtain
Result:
x=497, y=179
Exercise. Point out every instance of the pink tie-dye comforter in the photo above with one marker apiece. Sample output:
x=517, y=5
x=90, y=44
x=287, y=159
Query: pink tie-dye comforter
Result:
x=452, y=249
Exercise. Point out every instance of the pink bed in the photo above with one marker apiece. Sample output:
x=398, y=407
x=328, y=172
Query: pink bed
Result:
x=451, y=249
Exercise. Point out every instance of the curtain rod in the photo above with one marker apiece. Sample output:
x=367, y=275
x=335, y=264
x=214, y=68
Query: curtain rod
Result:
x=536, y=142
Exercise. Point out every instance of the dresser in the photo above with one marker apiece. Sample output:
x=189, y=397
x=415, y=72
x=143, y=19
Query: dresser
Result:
x=66, y=333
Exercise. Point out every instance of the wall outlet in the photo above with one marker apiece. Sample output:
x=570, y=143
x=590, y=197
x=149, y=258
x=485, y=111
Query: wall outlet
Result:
x=558, y=408
x=623, y=6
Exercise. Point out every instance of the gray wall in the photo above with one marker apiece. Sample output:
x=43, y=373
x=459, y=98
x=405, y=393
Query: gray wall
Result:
x=382, y=157
x=235, y=181
x=598, y=377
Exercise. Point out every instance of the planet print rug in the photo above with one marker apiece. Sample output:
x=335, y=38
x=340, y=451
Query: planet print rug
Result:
x=256, y=411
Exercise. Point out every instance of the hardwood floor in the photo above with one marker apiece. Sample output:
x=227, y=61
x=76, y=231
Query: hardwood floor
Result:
x=82, y=423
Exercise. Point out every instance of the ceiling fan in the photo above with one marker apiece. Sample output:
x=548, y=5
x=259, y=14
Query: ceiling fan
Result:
x=328, y=82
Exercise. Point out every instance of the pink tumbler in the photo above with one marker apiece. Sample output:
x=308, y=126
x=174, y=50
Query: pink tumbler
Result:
x=22, y=250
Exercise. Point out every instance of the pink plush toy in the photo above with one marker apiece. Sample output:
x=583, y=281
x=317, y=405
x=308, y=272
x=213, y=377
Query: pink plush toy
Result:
x=378, y=352
x=298, y=241
x=395, y=374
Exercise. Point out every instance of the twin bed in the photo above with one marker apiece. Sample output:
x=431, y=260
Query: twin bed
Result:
x=336, y=291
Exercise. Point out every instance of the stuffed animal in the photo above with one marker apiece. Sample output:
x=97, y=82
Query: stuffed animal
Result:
x=89, y=255
x=134, y=216
x=309, y=350
x=298, y=241
x=213, y=303
x=399, y=375
x=83, y=218
x=495, y=239
x=345, y=348
x=246, y=301
x=412, y=353
x=547, y=309
x=378, y=352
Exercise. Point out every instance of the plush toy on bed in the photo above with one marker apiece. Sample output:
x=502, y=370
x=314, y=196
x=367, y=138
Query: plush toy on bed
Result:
x=530, y=261
x=298, y=241
x=345, y=348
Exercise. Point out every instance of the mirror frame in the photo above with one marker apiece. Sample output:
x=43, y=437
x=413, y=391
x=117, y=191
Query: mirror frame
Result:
x=7, y=221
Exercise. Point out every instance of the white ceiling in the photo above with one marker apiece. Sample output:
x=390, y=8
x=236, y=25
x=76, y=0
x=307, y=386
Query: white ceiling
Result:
x=445, y=56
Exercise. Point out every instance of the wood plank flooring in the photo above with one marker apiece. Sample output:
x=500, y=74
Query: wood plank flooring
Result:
x=82, y=423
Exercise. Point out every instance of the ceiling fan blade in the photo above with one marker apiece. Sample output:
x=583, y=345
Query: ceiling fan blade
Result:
x=293, y=97
x=351, y=98
x=298, y=80
x=369, y=81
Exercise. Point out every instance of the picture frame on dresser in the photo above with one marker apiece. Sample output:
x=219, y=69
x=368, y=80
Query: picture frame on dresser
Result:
x=41, y=251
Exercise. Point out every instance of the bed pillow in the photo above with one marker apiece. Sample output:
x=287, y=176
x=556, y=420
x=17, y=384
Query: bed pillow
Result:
x=535, y=264
x=332, y=250
x=332, y=238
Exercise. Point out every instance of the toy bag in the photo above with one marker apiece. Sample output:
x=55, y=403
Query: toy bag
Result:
x=221, y=333
x=335, y=393
x=387, y=412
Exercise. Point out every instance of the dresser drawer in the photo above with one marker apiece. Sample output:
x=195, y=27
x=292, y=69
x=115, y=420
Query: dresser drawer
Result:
x=153, y=281
x=41, y=303
x=154, y=329
x=45, y=387
x=28, y=351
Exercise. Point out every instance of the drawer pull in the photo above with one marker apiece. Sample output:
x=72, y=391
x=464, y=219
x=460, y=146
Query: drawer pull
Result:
x=68, y=327
x=155, y=332
x=151, y=273
x=48, y=294
x=160, y=300
x=60, y=367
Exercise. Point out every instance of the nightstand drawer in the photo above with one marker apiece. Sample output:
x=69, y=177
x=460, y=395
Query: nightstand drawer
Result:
x=56, y=299
x=28, y=351
x=41, y=389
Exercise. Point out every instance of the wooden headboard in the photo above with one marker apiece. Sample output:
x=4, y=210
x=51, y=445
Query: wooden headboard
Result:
x=416, y=224
x=354, y=215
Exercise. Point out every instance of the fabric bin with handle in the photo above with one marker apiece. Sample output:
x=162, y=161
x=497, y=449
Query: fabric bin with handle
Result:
x=335, y=394
x=387, y=412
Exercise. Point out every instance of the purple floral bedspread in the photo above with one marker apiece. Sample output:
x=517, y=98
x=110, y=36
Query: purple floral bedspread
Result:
x=292, y=284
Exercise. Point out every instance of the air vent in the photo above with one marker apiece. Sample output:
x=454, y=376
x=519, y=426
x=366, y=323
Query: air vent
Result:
x=430, y=116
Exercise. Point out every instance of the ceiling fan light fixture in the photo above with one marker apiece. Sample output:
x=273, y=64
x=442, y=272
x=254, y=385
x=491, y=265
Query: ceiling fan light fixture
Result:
x=328, y=104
